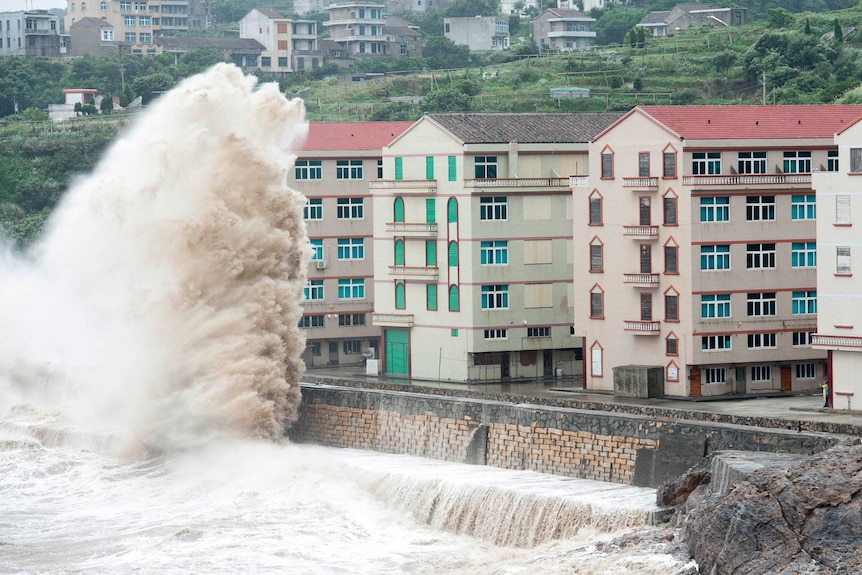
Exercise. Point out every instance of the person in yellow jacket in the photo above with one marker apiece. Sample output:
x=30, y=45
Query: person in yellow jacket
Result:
x=825, y=387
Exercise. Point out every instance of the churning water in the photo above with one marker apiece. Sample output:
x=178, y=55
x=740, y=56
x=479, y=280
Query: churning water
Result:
x=149, y=356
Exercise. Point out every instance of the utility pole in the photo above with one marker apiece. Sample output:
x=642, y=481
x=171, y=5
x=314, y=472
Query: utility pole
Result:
x=764, y=87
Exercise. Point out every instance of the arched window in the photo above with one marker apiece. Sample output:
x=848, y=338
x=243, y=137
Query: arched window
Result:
x=83, y=6
x=453, y=254
x=103, y=6
x=73, y=8
x=399, y=252
x=454, y=299
x=398, y=210
x=452, y=210
x=400, y=302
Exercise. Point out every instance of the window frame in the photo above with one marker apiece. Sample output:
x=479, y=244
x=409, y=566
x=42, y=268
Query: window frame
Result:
x=308, y=170
x=761, y=304
x=803, y=302
x=350, y=208
x=760, y=256
x=350, y=249
x=717, y=342
x=349, y=170
x=803, y=255
x=797, y=162
x=803, y=207
x=351, y=288
x=760, y=208
x=716, y=305
x=494, y=208
x=485, y=167
x=714, y=209
x=751, y=162
x=715, y=257
x=494, y=253
x=706, y=163
x=313, y=290
x=494, y=297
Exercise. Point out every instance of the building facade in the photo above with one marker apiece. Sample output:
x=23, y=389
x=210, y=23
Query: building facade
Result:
x=358, y=28
x=696, y=249
x=562, y=29
x=683, y=16
x=30, y=33
x=472, y=242
x=289, y=44
x=839, y=199
x=333, y=169
x=479, y=33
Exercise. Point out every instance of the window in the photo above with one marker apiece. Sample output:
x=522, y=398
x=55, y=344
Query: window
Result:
x=715, y=257
x=706, y=163
x=646, y=306
x=842, y=210
x=107, y=35
x=282, y=61
x=486, y=167
x=350, y=208
x=348, y=169
x=452, y=168
x=309, y=170
x=832, y=161
x=714, y=342
x=759, y=208
x=761, y=340
x=313, y=209
x=715, y=209
x=431, y=297
x=539, y=331
x=671, y=345
x=752, y=162
x=429, y=167
x=309, y=321
x=494, y=253
x=596, y=262
x=805, y=371
x=760, y=304
x=797, y=162
x=595, y=209
x=714, y=375
x=453, y=253
x=453, y=333
x=607, y=165
x=144, y=21
x=669, y=164
x=643, y=164
x=597, y=303
x=146, y=37
x=313, y=290
x=803, y=207
x=431, y=253
x=759, y=256
x=671, y=259
x=596, y=362
x=351, y=248
x=494, y=208
x=761, y=373
x=644, y=211
x=803, y=254
x=129, y=21
x=670, y=210
x=454, y=299
x=316, y=249
x=452, y=210
x=124, y=6
x=495, y=297
x=715, y=305
x=671, y=307
x=430, y=210
x=351, y=289
x=842, y=263
x=351, y=319
x=496, y=333
x=131, y=37
x=802, y=338
x=804, y=302
x=855, y=160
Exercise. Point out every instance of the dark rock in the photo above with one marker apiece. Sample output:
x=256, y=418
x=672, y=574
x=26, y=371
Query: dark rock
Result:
x=806, y=519
x=676, y=491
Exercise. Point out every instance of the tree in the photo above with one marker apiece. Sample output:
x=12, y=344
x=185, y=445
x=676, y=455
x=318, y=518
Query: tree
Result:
x=146, y=85
x=780, y=18
x=839, y=33
x=808, y=26
x=724, y=61
x=448, y=99
x=35, y=115
x=443, y=53
x=107, y=104
x=467, y=8
x=612, y=26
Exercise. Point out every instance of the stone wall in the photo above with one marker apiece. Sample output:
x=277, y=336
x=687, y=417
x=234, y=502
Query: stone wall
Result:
x=627, y=448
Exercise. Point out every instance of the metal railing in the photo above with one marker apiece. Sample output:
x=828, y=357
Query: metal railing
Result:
x=747, y=180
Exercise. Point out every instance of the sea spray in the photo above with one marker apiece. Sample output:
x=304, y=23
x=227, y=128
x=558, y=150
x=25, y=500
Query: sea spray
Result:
x=163, y=299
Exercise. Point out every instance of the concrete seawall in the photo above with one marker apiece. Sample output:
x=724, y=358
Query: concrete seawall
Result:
x=634, y=445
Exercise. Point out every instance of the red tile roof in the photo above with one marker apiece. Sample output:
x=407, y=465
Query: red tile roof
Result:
x=754, y=122
x=334, y=136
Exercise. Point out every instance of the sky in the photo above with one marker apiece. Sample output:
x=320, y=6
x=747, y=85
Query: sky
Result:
x=12, y=5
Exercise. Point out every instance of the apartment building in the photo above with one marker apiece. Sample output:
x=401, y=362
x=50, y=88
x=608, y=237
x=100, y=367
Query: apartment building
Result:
x=695, y=247
x=563, y=29
x=333, y=169
x=358, y=28
x=289, y=44
x=839, y=199
x=473, y=247
x=138, y=23
x=479, y=33
x=29, y=33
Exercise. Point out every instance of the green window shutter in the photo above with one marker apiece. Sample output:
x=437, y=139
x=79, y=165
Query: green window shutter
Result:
x=399, y=296
x=431, y=254
x=399, y=253
x=452, y=169
x=453, y=254
x=452, y=210
x=431, y=296
x=398, y=210
x=430, y=211
x=399, y=168
x=429, y=167
x=454, y=304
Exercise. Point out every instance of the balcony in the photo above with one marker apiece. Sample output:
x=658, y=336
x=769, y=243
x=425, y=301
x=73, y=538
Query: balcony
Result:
x=641, y=232
x=571, y=34
x=757, y=181
x=836, y=341
x=519, y=184
x=642, y=327
x=576, y=182
x=641, y=280
x=414, y=272
x=413, y=229
x=405, y=186
x=392, y=319
x=641, y=184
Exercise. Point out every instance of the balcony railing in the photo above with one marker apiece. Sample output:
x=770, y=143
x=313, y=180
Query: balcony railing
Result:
x=412, y=229
x=747, y=180
x=405, y=186
x=833, y=341
x=641, y=183
x=392, y=319
x=522, y=184
x=579, y=182
x=641, y=232
x=425, y=272
x=641, y=280
x=642, y=327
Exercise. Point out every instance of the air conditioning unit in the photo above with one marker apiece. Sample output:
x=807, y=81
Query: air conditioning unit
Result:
x=321, y=264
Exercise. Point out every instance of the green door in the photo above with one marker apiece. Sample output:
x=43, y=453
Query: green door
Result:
x=396, y=351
